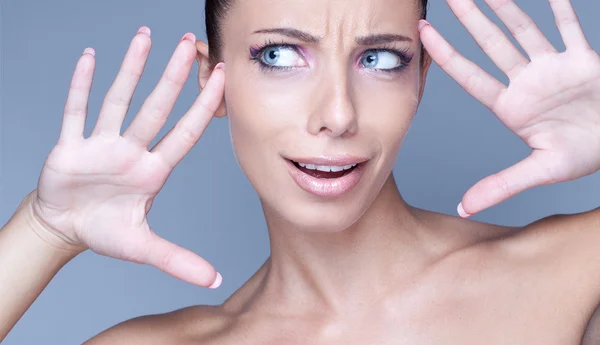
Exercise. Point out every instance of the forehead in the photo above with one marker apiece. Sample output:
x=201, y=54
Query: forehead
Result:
x=323, y=17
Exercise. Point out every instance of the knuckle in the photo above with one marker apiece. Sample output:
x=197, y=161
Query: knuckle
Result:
x=206, y=108
x=75, y=111
x=166, y=259
x=172, y=80
x=118, y=100
x=502, y=185
x=156, y=110
x=186, y=134
x=466, y=9
x=78, y=87
x=562, y=21
x=131, y=73
x=522, y=28
x=452, y=55
x=491, y=41
x=157, y=114
x=496, y=5
x=471, y=82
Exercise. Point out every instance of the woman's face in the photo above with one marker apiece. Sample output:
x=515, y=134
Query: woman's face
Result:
x=309, y=79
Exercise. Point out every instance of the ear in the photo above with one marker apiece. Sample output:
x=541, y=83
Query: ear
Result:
x=424, y=69
x=204, y=72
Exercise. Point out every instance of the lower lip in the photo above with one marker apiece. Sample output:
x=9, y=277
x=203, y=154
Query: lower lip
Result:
x=326, y=187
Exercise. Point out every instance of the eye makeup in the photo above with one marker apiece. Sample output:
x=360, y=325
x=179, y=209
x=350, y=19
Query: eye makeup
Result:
x=257, y=54
x=403, y=56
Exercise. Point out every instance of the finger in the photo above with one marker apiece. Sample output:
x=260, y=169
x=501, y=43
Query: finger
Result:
x=505, y=184
x=77, y=99
x=186, y=133
x=478, y=83
x=489, y=37
x=157, y=107
x=568, y=24
x=179, y=262
x=522, y=27
x=118, y=98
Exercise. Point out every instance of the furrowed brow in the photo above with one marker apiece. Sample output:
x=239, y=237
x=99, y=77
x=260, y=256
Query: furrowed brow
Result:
x=381, y=38
x=363, y=40
x=290, y=32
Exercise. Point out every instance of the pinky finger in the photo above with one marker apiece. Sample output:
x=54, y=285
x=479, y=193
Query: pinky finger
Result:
x=77, y=100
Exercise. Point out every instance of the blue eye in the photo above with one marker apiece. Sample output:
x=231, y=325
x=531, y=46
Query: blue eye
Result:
x=381, y=60
x=281, y=56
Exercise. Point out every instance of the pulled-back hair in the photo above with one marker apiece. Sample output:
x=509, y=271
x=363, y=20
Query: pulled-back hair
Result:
x=215, y=11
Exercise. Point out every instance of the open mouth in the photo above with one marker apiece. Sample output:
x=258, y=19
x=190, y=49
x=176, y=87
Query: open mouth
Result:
x=323, y=171
x=327, y=181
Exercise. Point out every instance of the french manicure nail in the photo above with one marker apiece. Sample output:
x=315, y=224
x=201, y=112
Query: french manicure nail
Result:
x=217, y=282
x=90, y=51
x=188, y=36
x=422, y=23
x=144, y=30
x=461, y=211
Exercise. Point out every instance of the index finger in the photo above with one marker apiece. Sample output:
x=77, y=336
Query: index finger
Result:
x=188, y=130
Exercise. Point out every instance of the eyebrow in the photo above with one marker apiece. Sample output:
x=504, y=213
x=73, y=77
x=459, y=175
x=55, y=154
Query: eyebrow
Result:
x=294, y=33
x=381, y=38
x=363, y=40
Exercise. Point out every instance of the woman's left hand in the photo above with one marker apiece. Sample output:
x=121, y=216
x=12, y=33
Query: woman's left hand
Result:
x=552, y=101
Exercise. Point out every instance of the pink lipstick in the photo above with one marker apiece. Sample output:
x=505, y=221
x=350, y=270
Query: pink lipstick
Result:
x=327, y=177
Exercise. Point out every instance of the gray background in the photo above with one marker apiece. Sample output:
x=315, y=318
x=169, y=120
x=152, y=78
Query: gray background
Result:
x=207, y=205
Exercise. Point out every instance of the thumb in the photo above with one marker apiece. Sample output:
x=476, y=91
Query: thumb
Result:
x=179, y=262
x=503, y=185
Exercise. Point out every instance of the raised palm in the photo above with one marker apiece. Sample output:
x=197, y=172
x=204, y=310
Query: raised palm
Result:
x=96, y=192
x=552, y=101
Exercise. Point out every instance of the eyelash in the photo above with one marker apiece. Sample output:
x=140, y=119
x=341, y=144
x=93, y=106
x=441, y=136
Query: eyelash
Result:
x=257, y=51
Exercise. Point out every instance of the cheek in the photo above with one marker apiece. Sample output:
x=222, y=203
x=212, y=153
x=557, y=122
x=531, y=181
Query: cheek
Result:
x=262, y=109
x=387, y=107
x=264, y=116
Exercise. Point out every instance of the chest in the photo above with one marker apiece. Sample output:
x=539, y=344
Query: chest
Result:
x=472, y=298
x=489, y=321
x=468, y=306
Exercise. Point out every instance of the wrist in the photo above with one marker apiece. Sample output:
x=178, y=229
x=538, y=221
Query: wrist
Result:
x=43, y=231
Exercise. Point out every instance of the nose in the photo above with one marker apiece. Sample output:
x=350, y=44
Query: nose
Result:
x=334, y=113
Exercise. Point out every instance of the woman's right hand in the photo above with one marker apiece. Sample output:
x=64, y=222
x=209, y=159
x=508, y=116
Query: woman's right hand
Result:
x=96, y=192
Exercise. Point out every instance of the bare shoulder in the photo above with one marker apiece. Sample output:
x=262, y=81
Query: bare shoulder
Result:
x=567, y=247
x=576, y=235
x=190, y=325
x=563, y=248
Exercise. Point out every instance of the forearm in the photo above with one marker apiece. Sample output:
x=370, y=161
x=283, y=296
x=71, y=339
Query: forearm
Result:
x=28, y=261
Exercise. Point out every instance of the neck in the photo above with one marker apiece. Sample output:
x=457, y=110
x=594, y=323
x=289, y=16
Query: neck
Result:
x=350, y=267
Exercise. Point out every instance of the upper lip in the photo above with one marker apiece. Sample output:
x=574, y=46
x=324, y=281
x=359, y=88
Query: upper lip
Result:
x=341, y=160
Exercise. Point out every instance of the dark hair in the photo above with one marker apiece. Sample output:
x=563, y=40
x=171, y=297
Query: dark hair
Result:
x=215, y=11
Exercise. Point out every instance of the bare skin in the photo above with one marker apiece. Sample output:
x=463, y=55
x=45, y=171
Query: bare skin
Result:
x=361, y=268
x=496, y=285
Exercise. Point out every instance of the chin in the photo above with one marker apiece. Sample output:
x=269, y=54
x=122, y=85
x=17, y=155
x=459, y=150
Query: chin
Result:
x=309, y=217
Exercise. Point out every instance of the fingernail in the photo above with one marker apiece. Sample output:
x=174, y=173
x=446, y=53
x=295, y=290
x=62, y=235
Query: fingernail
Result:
x=90, y=51
x=461, y=211
x=422, y=23
x=188, y=36
x=144, y=30
x=220, y=66
x=217, y=282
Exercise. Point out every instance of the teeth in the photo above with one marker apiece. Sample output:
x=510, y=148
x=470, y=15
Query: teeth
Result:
x=326, y=168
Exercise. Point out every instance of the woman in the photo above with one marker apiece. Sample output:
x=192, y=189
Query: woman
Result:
x=320, y=95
